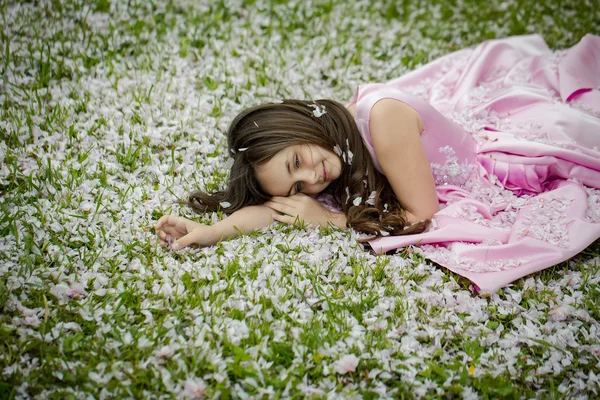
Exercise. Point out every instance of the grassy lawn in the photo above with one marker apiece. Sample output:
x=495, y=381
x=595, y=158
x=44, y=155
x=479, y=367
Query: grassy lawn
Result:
x=112, y=111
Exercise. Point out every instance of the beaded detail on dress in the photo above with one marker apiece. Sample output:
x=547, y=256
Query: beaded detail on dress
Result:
x=593, y=202
x=584, y=108
x=546, y=220
x=493, y=194
x=446, y=257
x=452, y=172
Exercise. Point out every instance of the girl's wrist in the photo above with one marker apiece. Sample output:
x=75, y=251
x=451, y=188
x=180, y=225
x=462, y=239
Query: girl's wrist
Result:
x=214, y=234
x=338, y=219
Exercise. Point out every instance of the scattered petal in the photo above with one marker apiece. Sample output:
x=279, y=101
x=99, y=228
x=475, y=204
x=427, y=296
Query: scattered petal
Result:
x=346, y=364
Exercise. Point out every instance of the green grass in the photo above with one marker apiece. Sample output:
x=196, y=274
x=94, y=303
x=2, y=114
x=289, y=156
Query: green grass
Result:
x=112, y=111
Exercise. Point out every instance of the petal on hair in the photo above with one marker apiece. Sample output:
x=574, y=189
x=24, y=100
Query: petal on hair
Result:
x=371, y=199
x=318, y=112
x=337, y=150
x=225, y=204
x=242, y=149
x=357, y=201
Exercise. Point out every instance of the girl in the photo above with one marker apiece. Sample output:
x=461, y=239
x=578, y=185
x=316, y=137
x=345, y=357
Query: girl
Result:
x=503, y=137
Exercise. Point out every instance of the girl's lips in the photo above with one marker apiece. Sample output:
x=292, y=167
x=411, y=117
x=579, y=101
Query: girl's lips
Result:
x=325, y=177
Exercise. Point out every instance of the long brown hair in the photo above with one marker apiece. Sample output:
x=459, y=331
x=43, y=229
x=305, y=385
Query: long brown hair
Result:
x=260, y=132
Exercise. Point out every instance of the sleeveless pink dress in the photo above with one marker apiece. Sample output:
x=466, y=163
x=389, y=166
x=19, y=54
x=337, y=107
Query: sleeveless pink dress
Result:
x=512, y=132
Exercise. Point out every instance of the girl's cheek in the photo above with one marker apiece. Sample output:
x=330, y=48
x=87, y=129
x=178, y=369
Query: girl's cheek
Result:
x=314, y=190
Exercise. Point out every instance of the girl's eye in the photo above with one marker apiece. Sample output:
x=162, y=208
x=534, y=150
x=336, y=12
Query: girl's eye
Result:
x=297, y=163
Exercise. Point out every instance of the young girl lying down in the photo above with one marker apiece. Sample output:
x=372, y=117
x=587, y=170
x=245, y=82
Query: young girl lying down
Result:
x=285, y=154
x=487, y=159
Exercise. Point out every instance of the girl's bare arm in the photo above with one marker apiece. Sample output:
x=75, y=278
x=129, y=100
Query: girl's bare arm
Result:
x=395, y=130
x=181, y=232
x=243, y=221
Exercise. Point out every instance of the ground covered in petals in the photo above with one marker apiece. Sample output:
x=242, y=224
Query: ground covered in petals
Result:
x=111, y=112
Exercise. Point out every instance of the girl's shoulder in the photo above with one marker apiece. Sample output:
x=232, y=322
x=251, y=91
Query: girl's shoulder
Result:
x=352, y=109
x=390, y=111
x=381, y=101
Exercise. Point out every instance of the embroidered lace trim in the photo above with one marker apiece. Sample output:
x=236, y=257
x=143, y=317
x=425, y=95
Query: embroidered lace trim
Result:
x=546, y=220
x=446, y=257
x=584, y=108
x=593, y=202
x=452, y=172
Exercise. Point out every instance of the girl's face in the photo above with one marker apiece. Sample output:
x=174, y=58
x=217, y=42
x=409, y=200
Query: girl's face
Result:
x=305, y=168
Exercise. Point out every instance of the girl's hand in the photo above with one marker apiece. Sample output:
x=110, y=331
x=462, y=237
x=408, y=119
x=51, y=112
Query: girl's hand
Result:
x=181, y=232
x=299, y=207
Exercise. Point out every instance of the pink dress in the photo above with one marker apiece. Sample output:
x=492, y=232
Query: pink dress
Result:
x=512, y=132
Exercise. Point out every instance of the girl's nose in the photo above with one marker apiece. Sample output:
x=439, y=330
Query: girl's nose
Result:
x=308, y=176
x=312, y=177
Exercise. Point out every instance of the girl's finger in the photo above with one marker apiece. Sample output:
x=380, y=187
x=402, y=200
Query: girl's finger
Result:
x=282, y=208
x=272, y=205
x=279, y=218
x=286, y=219
x=167, y=220
x=173, y=230
x=186, y=240
x=161, y=222
x=283, y=200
